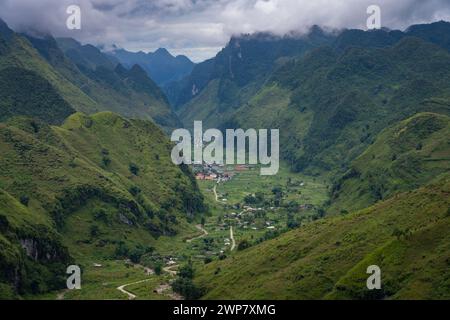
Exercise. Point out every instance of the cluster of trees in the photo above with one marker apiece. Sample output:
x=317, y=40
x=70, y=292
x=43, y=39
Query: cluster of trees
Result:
x=184, y=284
x=135, y=254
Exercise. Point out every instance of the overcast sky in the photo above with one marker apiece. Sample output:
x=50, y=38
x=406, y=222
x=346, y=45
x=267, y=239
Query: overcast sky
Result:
x=200, y=28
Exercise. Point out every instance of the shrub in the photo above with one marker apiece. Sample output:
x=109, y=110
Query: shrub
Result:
x=134, y=190
x=186, y=271
x=121, y=250
x=94, y=231
x=207, y=260
x=134, y=169
x=136, y=254
x=106, y=161
x=244, y=244
x=24, y=200
x=101, y=215
x=158, y=269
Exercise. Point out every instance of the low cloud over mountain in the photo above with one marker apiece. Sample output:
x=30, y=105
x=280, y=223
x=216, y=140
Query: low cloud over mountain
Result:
x=199, y=28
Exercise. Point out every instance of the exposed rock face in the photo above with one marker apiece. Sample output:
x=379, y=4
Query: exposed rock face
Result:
x=42, y=251
x=31, y=248
x=125, y=220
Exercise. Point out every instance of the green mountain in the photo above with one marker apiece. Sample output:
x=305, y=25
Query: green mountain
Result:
x=330, y=94
x=86, y=56
x=371, y=111
x=406, y=236
x=410, y=154
x=218, y=87
x=90, y=187
x=17, y=52
x=25, y=92
x=330, y=106
x=160, y=65
x=86, y=174
x=80, y=79
x=224, y=82
x=128, y=92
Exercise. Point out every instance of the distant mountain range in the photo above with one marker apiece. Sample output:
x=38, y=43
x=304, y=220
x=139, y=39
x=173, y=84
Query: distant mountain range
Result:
x=160, y=65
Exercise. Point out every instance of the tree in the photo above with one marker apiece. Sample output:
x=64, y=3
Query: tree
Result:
x=186, y=288
x=134, y=169
x=134, y=190
x=106, y=161
x=121, y=250
x=186, y=271
x=136, y=254
x=158, y=269
x=244, y=244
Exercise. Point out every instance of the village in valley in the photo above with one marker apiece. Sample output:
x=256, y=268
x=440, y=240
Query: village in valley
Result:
x=247, y=208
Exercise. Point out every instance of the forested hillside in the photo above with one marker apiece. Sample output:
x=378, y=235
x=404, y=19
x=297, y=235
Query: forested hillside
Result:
x=112, y=173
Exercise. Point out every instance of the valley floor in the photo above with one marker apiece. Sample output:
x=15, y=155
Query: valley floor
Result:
x=229, y=223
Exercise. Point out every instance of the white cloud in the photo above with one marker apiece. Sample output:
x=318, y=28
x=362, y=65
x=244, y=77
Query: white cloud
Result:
x=199, y=28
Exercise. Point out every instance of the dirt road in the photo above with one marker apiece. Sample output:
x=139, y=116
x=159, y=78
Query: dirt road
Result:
x=233, y=242
x=199, y=227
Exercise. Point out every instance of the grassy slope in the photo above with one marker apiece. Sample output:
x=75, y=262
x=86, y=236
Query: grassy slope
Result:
x=26, y=93
x=62, y=172
x=403, y=157
x=17, y=51
x=328, y=258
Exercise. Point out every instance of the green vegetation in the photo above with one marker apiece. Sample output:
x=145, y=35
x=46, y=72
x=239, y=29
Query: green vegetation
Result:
x=364, y=124
x=404, y=157
x=37, y=79
x=184, y=285
x=89, y=211
x=328, y=258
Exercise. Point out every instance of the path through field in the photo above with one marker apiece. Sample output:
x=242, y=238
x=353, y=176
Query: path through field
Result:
x=199, y=227
x=130, y=295
x=233, y=242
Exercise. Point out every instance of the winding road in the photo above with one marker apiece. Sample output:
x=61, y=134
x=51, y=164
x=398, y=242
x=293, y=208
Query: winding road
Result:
x=215, y=192
x=169, y=270
x=130, y=295
x=199, y=227
x=233, y=242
